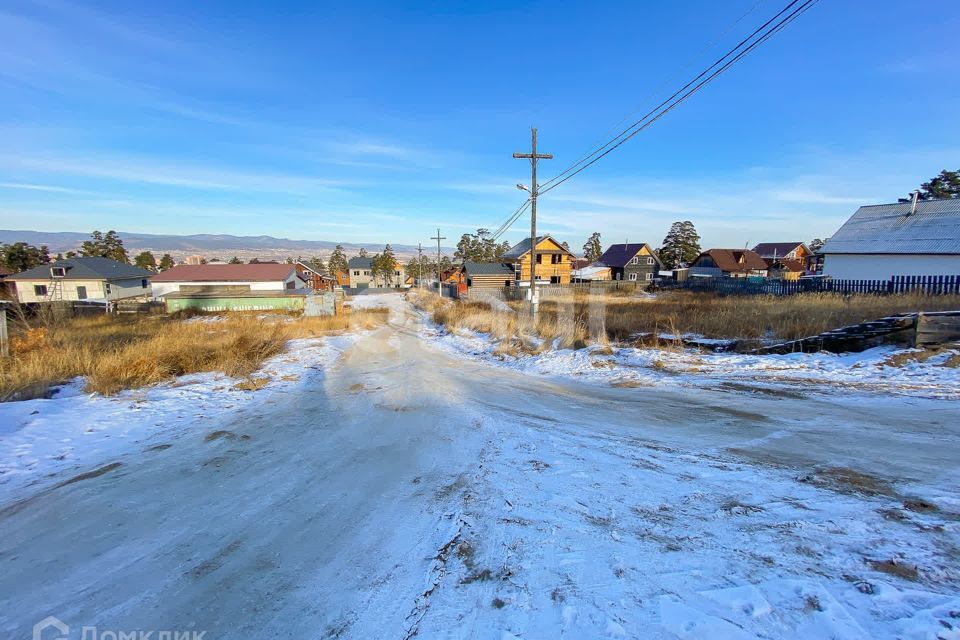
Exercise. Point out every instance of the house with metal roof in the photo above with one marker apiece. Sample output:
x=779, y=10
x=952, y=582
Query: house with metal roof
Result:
x=93, y=279
x=918, y=238
x=360, y=272
x=554, y=261
x=728, y=263
x=489, y=275
x=785, y=260
x=230, y=287
x=631, y=261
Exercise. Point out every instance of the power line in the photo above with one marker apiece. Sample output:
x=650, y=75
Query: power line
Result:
x=679, y=96
x=509, y=221
x=667, y=81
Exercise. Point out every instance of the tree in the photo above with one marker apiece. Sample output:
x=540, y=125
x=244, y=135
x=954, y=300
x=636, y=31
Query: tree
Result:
x=316, y=263
x=21, y=256
x=384, y=265
x=418, y=267
x=105, y=246
x=338, y=261
x=592, y=249
x=236, y=260
x=166, y=261
x=362, y=253
x=479, y=247
x=145, y=260
x=815, y=245
x=944, y=185
x=681, y=246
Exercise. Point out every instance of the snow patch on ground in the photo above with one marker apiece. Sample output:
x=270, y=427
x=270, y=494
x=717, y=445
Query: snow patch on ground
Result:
x=43, y=438
x=865, y=372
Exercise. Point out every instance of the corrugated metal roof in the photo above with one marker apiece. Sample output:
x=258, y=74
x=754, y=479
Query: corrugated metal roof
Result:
x=523, y=246
x=93, y=268
x=360, y=263
x=890, y=228
x=225, y=273
x=488, y=269
x=775, y=249
x=618, y=255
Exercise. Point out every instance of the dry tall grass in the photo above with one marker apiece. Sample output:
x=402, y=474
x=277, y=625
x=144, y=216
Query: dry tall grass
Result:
x=115, y=353
x=622, y=318
x=515, y=331
x=751, y=317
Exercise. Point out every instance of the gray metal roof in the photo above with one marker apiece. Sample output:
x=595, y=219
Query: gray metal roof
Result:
x=360, y=263
x=890, y=228
x=523, y=246
x=85, y=269
x=489, y=268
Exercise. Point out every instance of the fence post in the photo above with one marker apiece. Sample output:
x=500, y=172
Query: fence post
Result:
x=4, y=337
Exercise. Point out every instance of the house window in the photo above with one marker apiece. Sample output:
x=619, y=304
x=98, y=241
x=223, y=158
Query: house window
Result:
x=539, y=258
x=81, y=293
x=366, y=273
x=39, y=290
x=291, y=285
x=58, y=272
x=556, y=258
x=634, y=260
x=649, y=260
x=648, y=276
x=554, y=279
x=144, y=283
x=506, y=284
x=632, y=277
x=396, y=273
x=106, y=288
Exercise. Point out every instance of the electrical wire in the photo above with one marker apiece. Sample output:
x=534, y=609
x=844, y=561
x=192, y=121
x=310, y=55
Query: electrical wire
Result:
x=686, y=91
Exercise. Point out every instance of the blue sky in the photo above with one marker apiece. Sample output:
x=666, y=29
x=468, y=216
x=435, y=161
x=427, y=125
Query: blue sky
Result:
x=380, y=121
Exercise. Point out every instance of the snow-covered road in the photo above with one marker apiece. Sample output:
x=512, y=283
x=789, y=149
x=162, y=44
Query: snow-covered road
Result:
x=404, y=490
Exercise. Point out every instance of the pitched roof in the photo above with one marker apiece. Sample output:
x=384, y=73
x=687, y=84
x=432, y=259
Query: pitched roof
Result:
x=360, y=263
x=85, y=269
x=776, y=249
x=618, y=255
x=735, y=260
x=5, y=271
x=523, y=247
x=257, y=272
x=489, y=268
x=934, y=228
x=786, y=264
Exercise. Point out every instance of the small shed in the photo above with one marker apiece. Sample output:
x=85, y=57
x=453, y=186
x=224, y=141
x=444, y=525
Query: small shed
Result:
x=489, y=275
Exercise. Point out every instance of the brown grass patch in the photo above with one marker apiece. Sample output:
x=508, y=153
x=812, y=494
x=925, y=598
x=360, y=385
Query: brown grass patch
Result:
x=120, y=352
x=846, y=480
x=895, y=568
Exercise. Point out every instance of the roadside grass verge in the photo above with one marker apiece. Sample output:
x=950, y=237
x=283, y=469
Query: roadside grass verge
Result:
x=749, y=317
x=641, y=320
x=115, y=353
x=514, y=331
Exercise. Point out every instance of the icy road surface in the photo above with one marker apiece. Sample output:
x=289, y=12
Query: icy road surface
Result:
x=402, y=491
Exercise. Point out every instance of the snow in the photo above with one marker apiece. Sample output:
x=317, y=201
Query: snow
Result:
x=45, y=438
x=865, y=372
x=405, y=482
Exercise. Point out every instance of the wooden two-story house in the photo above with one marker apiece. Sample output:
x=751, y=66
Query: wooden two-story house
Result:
x=554, y=261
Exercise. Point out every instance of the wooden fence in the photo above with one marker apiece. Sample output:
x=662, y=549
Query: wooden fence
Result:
x=930, y=285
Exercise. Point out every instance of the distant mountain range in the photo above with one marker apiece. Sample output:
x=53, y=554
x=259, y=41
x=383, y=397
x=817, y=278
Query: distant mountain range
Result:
x=208, y=245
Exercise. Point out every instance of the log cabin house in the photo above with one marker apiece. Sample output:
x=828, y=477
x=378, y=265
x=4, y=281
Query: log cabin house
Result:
x=554, y=261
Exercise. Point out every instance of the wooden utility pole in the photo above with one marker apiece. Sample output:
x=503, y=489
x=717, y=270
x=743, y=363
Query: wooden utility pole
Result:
x=420, y=265
x=533, y=156
x=438, y=238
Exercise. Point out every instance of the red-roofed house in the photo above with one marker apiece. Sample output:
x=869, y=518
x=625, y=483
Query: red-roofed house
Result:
x=220, y=287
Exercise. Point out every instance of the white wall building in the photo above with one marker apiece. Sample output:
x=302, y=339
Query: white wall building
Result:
x=903, y=239
x=228, y=278
x=82, y=279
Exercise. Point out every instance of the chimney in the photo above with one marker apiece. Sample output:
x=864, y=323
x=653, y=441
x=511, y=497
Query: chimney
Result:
x=913, y=203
